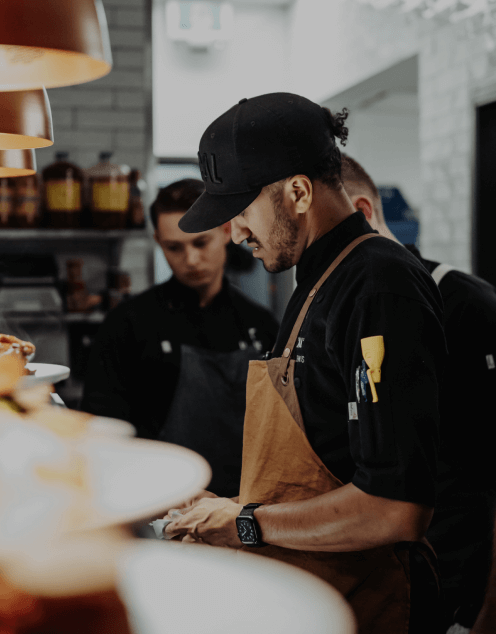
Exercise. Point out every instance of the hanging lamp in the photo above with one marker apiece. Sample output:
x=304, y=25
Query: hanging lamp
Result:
x=52, y=43
x=17, y=163
x=25, y=120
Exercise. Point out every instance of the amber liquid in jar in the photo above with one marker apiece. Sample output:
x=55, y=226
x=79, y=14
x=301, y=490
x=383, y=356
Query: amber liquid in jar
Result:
x=109, y=194
x=109, y=202
x=27, y=207
x=62, y=196
x=6, y=202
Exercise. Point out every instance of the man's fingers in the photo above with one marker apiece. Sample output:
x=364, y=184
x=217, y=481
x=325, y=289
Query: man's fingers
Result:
x=190, y=539
x=176, y=513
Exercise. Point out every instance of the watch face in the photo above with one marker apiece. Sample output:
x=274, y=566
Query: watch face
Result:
x=246, y=531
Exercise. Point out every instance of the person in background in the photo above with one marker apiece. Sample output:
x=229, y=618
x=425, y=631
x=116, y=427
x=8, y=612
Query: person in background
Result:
x=173, y=360
x=340, y=435
x=485, y=623
x=461, y=528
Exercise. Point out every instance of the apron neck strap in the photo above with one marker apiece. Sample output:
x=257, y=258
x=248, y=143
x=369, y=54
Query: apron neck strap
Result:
x=288, y=351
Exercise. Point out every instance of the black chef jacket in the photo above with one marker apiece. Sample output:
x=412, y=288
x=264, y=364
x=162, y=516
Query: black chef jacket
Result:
x=390, y=451
x=462, y=526
x=467, y=405
x=135, y=360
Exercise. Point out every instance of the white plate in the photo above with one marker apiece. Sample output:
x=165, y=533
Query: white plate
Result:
x=193, y=588
x=45, y=373
x=139, y=479
x=110, y=427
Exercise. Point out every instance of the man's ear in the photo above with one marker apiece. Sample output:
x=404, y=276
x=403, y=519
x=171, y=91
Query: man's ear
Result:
x=302, y=193
x=226, y=228
x=363, y=203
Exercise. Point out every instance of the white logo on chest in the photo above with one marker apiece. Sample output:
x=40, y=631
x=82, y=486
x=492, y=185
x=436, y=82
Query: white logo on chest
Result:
x=300, y=342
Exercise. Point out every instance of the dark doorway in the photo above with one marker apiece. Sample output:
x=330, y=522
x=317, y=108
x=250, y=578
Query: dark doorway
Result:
x=484, y=246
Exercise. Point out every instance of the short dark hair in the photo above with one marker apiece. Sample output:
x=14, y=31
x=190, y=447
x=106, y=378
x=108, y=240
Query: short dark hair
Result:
x=355, y=177
x=178, y=196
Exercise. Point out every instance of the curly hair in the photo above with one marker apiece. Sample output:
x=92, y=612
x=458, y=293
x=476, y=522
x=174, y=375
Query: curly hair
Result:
x=328, y=170
x=178, y=196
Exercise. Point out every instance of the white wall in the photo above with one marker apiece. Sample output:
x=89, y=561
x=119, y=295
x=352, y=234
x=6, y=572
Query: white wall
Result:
x=192, y=88
x=388, y=147
x=338, y=43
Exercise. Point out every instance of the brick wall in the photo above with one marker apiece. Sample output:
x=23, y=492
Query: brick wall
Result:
x=456, y=65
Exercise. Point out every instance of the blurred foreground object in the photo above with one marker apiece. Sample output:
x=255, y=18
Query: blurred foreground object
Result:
x=52, y=43
x=220, y=591
x=66, y=486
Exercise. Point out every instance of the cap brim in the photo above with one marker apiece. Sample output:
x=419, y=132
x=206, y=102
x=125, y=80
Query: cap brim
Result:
x=211, y=211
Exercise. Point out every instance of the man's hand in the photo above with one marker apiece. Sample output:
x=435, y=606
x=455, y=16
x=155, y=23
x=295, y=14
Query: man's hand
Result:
x=209, y=521
x=188, y=503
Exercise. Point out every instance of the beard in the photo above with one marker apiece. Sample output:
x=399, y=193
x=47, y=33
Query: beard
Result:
x=282, y=238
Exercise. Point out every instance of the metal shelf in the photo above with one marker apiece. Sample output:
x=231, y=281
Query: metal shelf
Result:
x=83, y=318
x=72, y=234
x=50, y=318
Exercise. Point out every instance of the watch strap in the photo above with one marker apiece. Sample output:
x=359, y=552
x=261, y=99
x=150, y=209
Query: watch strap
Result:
x=247, y=511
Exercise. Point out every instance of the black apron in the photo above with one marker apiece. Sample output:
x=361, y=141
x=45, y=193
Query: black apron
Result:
x=208, y=409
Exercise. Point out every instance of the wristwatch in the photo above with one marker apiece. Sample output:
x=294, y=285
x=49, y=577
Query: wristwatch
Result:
x=248, y=529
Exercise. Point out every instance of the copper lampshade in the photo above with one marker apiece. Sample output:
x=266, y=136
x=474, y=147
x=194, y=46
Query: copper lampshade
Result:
x=25, y=120
x=52, y=43
x=17, y=163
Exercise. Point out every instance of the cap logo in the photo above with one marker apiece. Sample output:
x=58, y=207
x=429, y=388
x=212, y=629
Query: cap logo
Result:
x=208, y=168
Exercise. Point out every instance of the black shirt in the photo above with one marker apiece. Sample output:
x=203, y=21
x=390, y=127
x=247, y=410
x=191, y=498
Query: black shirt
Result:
x=469, y=388
x=462, y=526
x=135, y=360
x=391, y=450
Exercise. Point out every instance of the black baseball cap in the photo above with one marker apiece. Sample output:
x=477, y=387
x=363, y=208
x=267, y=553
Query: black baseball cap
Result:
x=256, y=143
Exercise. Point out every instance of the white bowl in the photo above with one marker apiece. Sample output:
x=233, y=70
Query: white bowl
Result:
x=192, y=588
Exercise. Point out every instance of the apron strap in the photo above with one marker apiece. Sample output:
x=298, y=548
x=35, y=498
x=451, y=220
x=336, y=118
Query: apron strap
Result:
x=288, y=351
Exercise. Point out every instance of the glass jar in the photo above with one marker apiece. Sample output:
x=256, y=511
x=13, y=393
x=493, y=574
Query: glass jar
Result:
x=27, y=204
x=6, y=202
x=109, y=194
x=62, y=196
x=136, y=207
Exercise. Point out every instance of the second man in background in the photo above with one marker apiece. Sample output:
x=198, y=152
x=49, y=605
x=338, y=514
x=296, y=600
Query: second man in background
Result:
x=173, y=360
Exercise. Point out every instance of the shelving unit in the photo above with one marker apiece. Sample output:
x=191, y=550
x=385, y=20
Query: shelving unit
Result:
x=72, y=234
x=66, y=338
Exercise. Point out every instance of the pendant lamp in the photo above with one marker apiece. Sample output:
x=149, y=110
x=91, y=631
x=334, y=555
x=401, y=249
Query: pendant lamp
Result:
x=17, y=163
x=52, y=43
x=25, y=120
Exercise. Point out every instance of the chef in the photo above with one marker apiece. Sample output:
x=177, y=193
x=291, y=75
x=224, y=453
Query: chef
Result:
x=173, y=360
x=341, y=424
x=462, y=525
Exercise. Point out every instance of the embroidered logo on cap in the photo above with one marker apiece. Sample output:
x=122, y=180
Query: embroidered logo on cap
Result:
x=490, y=362
x=209, y=168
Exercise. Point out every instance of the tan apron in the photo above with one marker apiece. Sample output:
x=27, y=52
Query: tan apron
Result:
x=279, y=465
